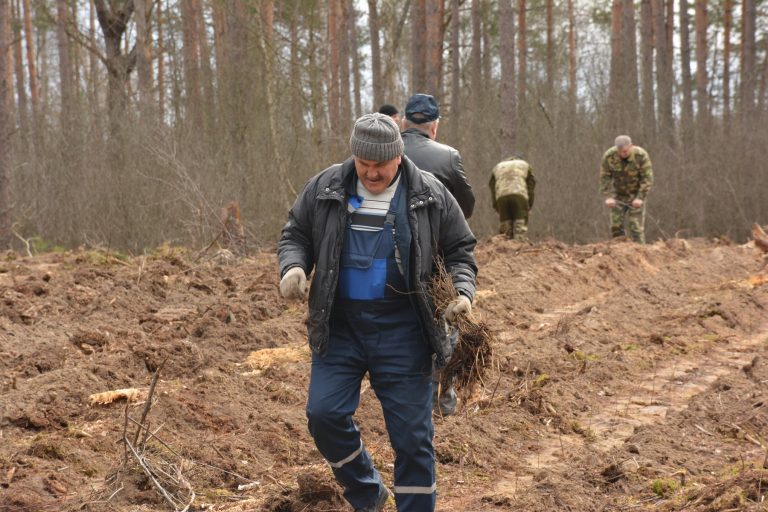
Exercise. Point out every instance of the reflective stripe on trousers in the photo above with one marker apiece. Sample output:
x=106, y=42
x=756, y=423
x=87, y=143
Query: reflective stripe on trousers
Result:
x=382, y=338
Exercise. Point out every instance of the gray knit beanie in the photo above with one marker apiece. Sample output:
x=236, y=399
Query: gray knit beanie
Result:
x=376, y=137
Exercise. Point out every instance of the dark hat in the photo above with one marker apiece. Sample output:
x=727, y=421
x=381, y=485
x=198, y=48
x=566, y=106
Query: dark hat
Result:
x=376, y=137
x=422, y=108
x=388, y=109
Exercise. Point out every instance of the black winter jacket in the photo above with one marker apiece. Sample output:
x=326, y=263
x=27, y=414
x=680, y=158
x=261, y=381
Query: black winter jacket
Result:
x=444, y=162
x=312, y=239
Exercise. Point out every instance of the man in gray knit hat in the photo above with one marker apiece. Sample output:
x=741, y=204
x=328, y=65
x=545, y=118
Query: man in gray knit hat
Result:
x=366, y=227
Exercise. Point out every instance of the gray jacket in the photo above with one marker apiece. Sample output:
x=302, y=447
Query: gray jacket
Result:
x=313, y=236
x=444, y=162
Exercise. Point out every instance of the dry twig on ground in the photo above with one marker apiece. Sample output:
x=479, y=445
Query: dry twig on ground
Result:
x=473, y=354
x=166, y=476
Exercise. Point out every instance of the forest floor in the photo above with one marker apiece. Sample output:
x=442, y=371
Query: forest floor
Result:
x=625, y=377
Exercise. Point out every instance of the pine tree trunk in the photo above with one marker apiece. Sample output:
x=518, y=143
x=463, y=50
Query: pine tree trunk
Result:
x=144, y=58
x=685, y=72
x=434, y=33
x=614, y=79
x=727, y=23
x=455, y=73
x=646, y=66
x=373, y=27
x=66, y=81
x=748, y=58
x=334, y=92
x=522, y=52
x=761, y=98
x=354, y=47
x=75, y=50
x=701, y=61
x=344, y=74
x=508, y=93
x=629, y=81
x=31, y=64
x=21, y=90
x=93, y=64
x=315, y=82
x=295, y=71
x=418, y=23
x=160, y=62
x=191, y=62
x=572, y=62
x=206, y=68
x=488, y=53
x=113, y=25
x=476, y=68
x=6, y=125
x=663, y=75
x=550, y=44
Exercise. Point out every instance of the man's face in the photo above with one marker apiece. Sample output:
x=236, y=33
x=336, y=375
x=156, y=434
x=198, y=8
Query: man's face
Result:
x=624, y=150
x=376, y=176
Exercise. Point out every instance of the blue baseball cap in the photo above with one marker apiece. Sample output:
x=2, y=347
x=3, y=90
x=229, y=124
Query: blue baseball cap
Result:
x=422, y=108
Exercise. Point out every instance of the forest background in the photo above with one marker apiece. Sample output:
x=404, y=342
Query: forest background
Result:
x=131, y=123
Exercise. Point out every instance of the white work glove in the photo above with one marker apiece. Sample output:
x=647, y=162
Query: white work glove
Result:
x=610, y=202
x=293, y=285
x=637, y=203
x=460, y=306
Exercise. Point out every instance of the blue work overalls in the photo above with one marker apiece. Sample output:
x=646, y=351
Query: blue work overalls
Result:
x=375, y=328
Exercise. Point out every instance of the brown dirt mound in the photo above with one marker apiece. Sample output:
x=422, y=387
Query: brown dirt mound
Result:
x=628, y=377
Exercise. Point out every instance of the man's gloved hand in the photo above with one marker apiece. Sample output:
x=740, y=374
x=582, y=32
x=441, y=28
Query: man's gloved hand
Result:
x=610, y=202
x=637, y=203
x=293, y=285
x=460, y=306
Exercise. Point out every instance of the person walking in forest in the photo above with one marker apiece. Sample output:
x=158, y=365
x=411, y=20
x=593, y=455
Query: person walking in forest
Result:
x=391, y=111
x=512, y=186
x=370, y=229
x=422, y=117
x=626, y=177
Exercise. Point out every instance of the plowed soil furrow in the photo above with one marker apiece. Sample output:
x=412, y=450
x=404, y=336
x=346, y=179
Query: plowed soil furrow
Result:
x=626, y=377
x=645, y=401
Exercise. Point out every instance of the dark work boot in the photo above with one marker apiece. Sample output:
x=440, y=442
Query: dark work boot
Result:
x=381, y=500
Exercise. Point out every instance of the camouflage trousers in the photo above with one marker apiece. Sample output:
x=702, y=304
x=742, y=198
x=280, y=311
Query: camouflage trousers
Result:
x=513, y=216
x=633, y=218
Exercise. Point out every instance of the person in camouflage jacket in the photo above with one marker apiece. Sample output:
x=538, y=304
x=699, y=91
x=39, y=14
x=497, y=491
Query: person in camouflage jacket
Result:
x=626, y=177
x=512, y=186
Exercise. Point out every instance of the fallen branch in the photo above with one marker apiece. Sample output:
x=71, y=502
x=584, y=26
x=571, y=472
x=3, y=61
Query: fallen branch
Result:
x=148, y=403
x=150, y=475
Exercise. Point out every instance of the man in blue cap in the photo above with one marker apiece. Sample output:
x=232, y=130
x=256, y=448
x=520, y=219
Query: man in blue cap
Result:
x=422, y=117
x=370, y=229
